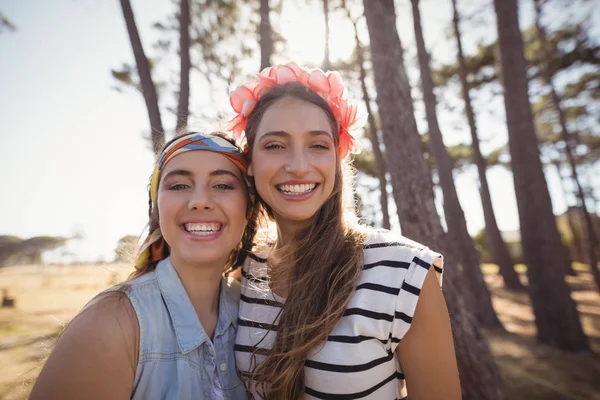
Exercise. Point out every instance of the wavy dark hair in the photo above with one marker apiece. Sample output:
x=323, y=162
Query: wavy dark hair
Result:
x=323, y=263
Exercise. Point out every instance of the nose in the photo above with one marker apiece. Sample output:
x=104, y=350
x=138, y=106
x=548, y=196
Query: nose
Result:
x=297, y=163
x=201, y=199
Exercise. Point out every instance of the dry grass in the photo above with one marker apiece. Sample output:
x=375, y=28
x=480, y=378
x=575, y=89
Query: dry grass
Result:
x=48, y=297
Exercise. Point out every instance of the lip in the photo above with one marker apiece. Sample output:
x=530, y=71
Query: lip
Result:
x=203, y=238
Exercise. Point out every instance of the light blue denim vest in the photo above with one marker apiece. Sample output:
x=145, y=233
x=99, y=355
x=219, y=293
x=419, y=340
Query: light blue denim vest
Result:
x=177, y=359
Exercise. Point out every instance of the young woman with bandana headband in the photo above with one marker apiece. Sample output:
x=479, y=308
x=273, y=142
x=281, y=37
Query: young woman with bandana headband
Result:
x=168, y=332
x=330, y=309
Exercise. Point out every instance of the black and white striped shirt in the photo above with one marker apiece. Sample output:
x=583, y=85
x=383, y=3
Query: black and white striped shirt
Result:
x=358, y=360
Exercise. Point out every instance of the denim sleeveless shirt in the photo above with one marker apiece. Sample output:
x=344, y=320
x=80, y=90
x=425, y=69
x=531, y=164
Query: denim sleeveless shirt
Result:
x=177, y=359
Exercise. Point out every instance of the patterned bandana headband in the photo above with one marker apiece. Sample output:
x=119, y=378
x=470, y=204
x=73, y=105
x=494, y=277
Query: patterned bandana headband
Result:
x=153, y=247
x=327, y=85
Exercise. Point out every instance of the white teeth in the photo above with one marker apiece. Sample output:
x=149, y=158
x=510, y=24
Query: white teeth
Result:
x=297, y=189
x=203, y=229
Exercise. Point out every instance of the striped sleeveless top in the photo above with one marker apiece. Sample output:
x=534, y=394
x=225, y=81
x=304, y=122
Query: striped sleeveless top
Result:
x=358, y=360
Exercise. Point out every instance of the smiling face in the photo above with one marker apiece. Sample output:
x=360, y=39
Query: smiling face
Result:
x=202, y=208
x=294, y=160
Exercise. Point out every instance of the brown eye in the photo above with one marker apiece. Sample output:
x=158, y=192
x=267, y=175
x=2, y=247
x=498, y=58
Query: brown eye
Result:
x=223, y=186
x=273, y=146
x=178, y=186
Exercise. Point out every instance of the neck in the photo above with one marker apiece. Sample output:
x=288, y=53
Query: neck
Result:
x=279, y=268
x=287, y=230
x=202, y=284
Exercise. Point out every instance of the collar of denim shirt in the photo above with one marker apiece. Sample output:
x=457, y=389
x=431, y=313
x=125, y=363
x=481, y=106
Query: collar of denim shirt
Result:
x=188, y=329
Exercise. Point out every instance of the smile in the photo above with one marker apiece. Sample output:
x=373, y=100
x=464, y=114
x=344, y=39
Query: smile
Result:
x=297, y=189
x=203, y=229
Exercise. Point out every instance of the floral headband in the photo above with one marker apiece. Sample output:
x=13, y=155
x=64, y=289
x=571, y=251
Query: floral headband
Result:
x=153, y=248
x=327, y=85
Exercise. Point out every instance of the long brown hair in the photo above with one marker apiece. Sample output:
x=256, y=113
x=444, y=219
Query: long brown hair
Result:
x=323, y=264
x=237, y=256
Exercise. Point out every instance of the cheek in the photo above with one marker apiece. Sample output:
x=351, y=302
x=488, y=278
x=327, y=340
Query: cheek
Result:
x=328, y=166
x=236, y=207
x=264, y=171
x=167, y=209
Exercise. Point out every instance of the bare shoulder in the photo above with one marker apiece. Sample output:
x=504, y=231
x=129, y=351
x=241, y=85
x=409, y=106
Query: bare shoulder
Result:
x=109, y=315
x=99, y=345
x=427, y=349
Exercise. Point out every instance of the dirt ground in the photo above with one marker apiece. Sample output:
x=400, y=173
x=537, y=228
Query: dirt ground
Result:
x=46, y=298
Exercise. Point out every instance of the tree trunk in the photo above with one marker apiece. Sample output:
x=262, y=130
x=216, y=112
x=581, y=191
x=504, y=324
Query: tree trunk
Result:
x=566, y=137
x=265, y=35
x=556, y=315
x=148, y=88
x=412, y=189
x=379, y=158
x=498, y=248
x=184, y=55
x=455, y=217
x=326, y=58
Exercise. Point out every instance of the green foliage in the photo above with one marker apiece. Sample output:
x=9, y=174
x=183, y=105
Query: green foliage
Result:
x=572, y=50
x=580, y=100
x=570, y=46
x=365, y=163
x=495, y=157
x=461, y=155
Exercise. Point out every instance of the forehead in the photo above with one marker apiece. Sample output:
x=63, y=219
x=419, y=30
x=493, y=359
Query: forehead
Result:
x=294, y=116
x=199, y=162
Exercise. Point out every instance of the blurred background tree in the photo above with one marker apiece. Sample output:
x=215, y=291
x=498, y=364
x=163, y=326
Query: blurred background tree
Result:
x=17, y=251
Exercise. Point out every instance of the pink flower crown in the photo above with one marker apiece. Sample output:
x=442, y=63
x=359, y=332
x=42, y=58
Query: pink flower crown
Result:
x=327, y=85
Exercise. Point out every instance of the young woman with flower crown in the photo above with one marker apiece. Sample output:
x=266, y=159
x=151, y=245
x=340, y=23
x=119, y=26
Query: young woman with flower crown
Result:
x=168, y=333
x=329, y=310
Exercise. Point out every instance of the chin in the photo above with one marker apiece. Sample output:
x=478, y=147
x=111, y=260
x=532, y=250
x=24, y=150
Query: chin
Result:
x=302, y=219
x=203, y=257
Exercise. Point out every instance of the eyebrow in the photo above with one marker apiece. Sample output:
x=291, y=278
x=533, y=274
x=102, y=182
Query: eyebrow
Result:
x=186, y=173
x=317, y=132
x=220, y=172
x=175, y=172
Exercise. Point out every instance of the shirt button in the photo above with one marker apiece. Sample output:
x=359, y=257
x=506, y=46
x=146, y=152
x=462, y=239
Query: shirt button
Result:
x=223, y=367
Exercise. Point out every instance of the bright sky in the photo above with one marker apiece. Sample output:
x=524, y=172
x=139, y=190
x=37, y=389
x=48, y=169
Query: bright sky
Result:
x=74, y=160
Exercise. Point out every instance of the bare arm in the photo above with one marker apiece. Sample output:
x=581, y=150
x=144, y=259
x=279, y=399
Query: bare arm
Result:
x=96, y=356
x=426, y=352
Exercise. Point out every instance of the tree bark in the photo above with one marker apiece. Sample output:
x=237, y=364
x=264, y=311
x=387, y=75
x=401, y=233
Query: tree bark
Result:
x=566, y=137
x=326, y=58
x=265, y=35
x=455, y=217
x=185, y=65
x=380, y=164
x=556, y=315
x=148, y=88
x=498, y=248
x=412, y=189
